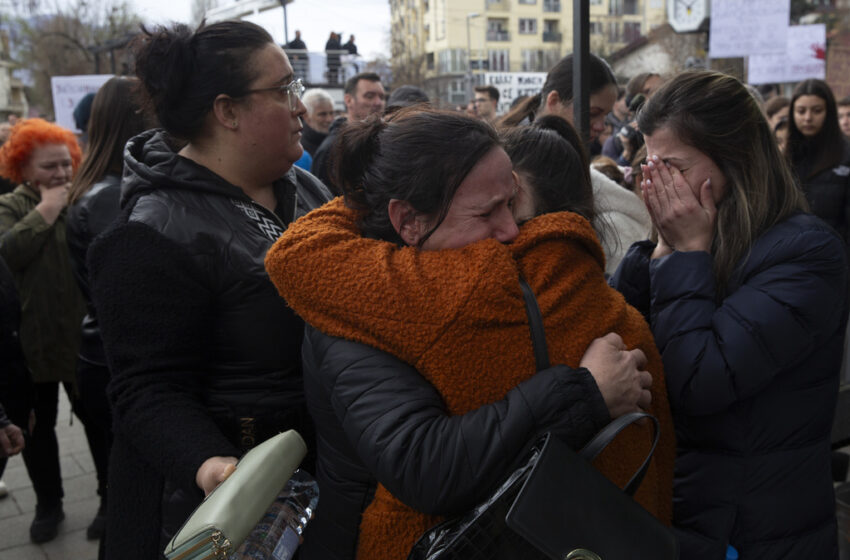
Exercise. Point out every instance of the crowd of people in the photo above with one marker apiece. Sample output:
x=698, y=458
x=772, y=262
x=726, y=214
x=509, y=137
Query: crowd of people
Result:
x=227, y=260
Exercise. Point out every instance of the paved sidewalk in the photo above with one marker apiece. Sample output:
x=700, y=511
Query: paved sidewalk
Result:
x=80, y=504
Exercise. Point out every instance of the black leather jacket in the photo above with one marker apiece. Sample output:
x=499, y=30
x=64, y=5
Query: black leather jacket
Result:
x=204, y=353
x=378, y=419
x=91, y=215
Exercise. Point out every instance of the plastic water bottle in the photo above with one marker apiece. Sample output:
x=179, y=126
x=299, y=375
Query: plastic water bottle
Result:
x=278, y=534
x=731, y=553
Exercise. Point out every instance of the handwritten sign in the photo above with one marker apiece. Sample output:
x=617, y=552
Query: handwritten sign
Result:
x=67, y=92
x=748, y=27
x=804, y=58
x=514, y=84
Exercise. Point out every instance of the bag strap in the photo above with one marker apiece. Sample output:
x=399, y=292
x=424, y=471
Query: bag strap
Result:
x=607, y=434
x=535, y=321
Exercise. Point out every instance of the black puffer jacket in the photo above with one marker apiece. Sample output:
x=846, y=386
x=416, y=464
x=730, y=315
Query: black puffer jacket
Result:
x=753, y=384
x=378, y=419
x=204, y=353
x=828, y=192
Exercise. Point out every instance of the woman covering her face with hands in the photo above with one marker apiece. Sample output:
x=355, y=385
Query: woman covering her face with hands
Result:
x=746, y=294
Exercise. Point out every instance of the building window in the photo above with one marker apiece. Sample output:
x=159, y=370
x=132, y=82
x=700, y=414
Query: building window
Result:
x=615, y=7
x=596, y=28
x=527, y=26
x=630, y=7
x=528, y=1
x=550, y=31
x=631, y=31
x=496, y=30
x=614, y=32
x=595, y=2
x=429, y=60
x=452, y=60
x=551, y=5
x=537, y=60
x=499, y=60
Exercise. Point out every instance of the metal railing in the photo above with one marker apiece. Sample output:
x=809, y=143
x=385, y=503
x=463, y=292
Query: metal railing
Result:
x=498, y=36
x=327, y=67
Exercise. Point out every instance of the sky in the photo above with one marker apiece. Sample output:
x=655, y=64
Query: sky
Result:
x=368, y=20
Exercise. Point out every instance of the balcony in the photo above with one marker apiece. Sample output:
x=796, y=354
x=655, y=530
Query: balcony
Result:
x=498, y=6
x=551, y=36
x=330, y=68
x=498, y=35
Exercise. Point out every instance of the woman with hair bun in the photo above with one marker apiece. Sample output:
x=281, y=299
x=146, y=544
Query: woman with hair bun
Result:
x=41, y=157
x=204, y=355
x=428, y=278
x=747, y=293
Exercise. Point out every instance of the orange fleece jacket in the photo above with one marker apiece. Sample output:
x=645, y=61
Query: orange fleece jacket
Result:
x=459, y=318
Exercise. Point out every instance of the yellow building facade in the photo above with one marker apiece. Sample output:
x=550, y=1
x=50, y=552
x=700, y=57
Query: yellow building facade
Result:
x=447, y=44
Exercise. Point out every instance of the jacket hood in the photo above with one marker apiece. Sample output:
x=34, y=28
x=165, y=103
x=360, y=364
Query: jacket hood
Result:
x=151, y=162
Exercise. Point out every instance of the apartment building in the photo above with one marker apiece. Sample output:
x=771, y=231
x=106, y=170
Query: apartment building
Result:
x=449, y=44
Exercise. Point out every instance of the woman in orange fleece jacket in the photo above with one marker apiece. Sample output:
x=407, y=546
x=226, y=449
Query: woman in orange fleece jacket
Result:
x=458, y=315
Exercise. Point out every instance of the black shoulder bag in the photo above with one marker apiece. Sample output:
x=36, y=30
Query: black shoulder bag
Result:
x=556, y=506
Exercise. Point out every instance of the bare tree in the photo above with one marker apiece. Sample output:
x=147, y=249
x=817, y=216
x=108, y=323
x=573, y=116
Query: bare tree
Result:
x=86, y=37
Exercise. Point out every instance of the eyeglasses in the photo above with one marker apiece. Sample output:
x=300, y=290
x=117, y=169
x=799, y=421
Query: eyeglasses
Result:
x=293, y=90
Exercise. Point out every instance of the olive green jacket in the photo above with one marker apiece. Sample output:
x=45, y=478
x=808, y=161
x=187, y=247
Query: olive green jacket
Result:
x=51, y=304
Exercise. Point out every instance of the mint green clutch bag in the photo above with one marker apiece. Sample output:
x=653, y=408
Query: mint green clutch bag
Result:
x=226, y=517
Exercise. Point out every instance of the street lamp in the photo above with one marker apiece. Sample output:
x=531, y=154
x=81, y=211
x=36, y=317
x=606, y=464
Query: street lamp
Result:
x=469, y=16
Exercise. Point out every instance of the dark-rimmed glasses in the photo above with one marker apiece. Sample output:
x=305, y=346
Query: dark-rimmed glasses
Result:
x=293, y=90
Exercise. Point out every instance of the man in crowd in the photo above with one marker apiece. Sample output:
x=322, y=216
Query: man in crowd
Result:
x=317, y=119
x=364, y=96
x=297, y=43
x=486, y=102
x=350, y=46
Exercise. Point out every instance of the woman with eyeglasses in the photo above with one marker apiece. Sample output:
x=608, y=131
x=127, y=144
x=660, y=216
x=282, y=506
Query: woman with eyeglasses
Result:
x=204, y=354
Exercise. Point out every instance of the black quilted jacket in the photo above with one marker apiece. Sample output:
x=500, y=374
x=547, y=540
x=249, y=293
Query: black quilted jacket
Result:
x=377, y=419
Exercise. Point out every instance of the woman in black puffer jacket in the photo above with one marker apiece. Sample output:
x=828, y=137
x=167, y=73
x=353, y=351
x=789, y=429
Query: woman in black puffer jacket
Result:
x=820, y=154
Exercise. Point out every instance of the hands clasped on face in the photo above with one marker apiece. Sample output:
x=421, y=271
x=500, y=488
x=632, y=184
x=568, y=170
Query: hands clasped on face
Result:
x=683, y=214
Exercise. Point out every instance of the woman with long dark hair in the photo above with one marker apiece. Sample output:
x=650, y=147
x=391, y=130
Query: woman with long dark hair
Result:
x=820, y=154
x=93, y=204
x=621, y=217
x=747, y=292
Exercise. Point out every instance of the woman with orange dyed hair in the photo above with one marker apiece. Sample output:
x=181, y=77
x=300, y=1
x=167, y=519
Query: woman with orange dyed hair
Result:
x=42, y=158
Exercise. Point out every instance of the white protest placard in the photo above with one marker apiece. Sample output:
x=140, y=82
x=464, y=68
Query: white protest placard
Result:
x=748, y=27
x=67, y=92
x=805, y=58
x=514, y=84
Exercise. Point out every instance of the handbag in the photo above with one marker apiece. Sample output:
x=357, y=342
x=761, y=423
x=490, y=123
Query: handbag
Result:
x=556, y=505
x=226, y=517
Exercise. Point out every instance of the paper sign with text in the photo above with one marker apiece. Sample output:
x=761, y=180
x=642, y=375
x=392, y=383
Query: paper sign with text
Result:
x=804, y=58
x=67, y=92
x=748, y=27
x=514, y=84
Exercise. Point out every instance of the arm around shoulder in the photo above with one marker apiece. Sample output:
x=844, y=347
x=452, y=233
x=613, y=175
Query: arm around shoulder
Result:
x=434, y=462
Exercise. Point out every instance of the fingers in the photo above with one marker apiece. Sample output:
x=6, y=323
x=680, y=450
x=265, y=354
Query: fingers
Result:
x=639, y=357
x=614, y=340
x=5, y=445
x=226, y=472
